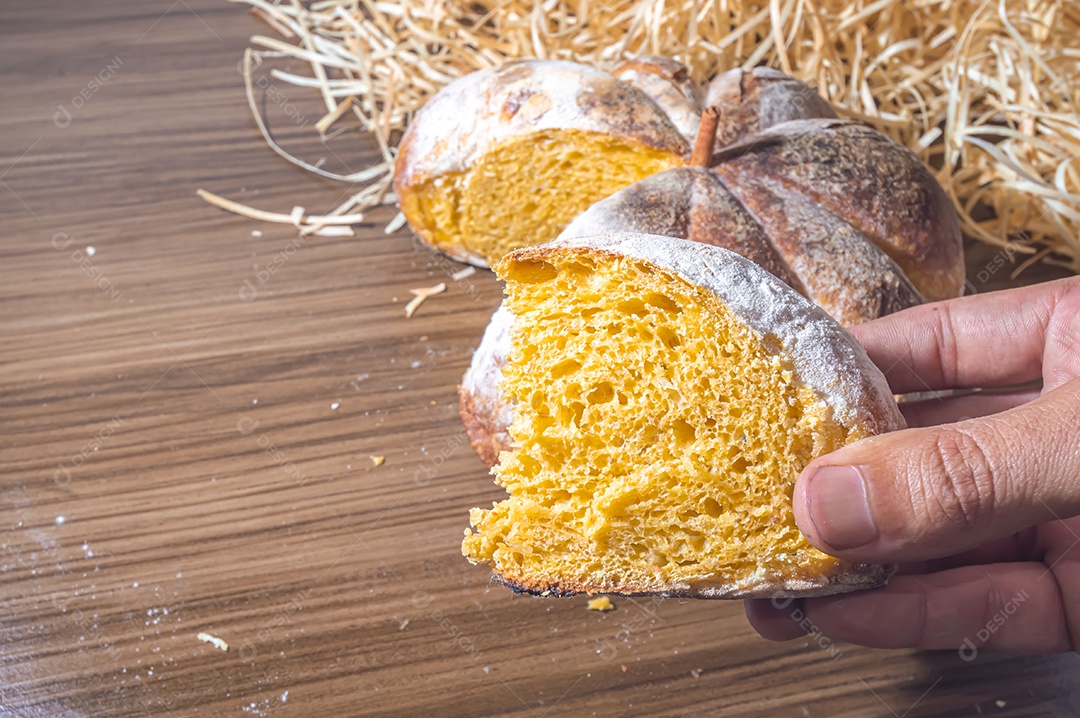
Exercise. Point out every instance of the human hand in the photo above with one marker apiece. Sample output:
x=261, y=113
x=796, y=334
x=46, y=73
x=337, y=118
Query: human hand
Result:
x=973, y=511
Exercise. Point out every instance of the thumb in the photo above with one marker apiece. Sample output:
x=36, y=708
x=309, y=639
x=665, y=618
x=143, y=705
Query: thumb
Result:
x=932, y=492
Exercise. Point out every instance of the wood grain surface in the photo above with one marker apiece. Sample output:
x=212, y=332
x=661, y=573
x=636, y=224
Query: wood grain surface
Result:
x=188, y=416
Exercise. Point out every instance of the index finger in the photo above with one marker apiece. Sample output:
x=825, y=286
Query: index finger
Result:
x=993, y=339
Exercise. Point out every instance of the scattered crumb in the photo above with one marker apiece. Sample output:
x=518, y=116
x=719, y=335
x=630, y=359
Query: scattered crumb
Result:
x=623, y=667
x=420, y=294
x=60, y=520
x=696, y=673
x=214, y=641
x=462, y=273
x=256, y=233
x=402, y=623
x=335, y=405
x=378, y=460
x=91, y=251
x=1000, y=703
x=601, y=603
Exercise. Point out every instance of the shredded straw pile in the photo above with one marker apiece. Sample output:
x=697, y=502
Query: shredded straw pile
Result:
x=984, y=91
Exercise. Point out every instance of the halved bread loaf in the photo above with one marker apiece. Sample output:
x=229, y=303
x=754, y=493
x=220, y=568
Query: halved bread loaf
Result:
x=506, y=157
x=665, y=395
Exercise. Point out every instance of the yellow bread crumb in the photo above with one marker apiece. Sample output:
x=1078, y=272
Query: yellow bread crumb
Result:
x=601, y=603
x=526, y=190
x=656, y=437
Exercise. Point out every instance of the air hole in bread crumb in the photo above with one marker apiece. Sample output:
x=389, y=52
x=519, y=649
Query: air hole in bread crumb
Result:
x=534, y=272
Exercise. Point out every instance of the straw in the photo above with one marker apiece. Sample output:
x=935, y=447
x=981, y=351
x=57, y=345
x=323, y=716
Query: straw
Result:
x=983, y=90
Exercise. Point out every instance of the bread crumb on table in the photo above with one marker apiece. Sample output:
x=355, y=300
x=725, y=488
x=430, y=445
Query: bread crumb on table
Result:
x=601, y=603
x=378, y=460
x=213, y=641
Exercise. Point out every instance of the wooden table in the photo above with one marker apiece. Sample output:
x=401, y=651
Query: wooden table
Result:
x=189, y=413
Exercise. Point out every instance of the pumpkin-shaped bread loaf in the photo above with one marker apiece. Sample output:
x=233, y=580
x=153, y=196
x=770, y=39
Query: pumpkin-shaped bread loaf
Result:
x=665, y=396
x=507, y=157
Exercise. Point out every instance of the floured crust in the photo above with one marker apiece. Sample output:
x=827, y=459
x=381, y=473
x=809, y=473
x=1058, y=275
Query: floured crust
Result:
x=479, y=111
x=751, y=101
x=485, y=414
x=814, y=252
x=870, y=182
x=839, y=268
x=669, y=84
x=823, y=357
x=687, y=203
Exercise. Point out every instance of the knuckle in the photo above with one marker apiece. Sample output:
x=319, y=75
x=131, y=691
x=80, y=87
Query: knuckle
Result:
x=1062, y=334
x=994, y=599
x=947, y=346
x=958, y=480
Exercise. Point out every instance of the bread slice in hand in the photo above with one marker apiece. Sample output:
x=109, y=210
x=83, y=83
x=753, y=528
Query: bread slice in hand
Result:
x=665, y=396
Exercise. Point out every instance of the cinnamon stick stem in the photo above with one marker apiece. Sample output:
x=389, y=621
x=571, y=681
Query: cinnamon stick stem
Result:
x=706, y=138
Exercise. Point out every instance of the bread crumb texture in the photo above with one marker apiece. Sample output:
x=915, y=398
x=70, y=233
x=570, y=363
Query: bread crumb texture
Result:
x=524, y=191
x=656, y=439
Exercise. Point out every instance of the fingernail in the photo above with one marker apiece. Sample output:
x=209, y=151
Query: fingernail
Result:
x=837, y=504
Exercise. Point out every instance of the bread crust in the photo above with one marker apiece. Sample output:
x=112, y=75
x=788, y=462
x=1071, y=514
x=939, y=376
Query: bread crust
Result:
x=688, y=203
x=824, y=357
x=852, y=577
x=751, y=101
x=817, y=254
x=870, y=182
x=669, y=84
x=484, y=412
